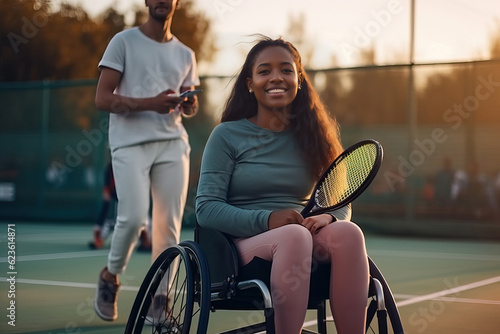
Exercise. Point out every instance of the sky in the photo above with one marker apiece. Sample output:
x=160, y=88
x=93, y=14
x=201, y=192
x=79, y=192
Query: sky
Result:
x=335, y=32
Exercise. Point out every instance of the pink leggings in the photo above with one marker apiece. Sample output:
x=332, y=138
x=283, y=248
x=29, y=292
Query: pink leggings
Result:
x=292, y=248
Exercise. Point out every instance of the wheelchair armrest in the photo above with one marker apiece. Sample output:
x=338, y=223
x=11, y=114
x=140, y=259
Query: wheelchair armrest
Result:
x=221, y=254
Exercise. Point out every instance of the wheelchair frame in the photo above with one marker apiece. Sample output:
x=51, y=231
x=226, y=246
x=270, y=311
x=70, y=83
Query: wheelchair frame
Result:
x=205, y=275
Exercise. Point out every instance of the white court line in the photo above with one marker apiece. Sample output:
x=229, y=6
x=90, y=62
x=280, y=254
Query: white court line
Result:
x=58, y=256
x=443, y=293
x=44, y=238
x=314, y=322
x=409, y=254
x=65, y=284
x=412, y=300
x=455, y=299
x=435, y=255
x=439, y=295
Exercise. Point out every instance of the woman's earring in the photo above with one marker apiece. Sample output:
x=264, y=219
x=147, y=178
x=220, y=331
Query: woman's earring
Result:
x=300, y=87
x=250, y=91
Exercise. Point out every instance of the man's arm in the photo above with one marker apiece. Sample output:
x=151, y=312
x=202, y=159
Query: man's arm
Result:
x=106, y=99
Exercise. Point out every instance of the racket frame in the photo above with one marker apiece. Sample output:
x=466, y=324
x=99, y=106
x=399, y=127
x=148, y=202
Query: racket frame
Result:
x=311, y=208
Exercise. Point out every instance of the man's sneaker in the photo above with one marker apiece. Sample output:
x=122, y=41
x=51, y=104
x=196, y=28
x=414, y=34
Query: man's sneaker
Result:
x=160, y=317
x=158, y=311
x=105, y=303
x=98, y=240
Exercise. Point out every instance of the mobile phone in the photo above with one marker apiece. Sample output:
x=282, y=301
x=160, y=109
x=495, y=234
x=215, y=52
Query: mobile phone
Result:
x=191, y=93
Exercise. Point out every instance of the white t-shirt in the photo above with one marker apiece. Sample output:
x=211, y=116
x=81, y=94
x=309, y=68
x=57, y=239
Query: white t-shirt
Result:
x=148, y=68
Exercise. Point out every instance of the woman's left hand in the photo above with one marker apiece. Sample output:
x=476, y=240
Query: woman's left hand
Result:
x=315, y=223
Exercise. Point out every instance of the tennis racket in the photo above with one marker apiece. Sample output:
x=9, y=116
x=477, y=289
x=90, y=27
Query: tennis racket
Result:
x=346, y=178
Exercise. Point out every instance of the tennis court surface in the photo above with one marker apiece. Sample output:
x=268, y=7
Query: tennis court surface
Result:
x=441, y=286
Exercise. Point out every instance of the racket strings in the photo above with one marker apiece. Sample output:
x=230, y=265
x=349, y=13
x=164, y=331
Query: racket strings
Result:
x=347, y=176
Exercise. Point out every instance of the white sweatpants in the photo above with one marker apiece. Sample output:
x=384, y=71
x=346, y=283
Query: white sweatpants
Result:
x=156, y=169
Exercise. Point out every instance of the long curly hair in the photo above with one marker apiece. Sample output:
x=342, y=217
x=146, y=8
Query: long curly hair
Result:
x=316, y=132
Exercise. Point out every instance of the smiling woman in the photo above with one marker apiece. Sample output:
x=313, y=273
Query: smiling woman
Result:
x=275, y=83
x=306, y=115
x=258, y=169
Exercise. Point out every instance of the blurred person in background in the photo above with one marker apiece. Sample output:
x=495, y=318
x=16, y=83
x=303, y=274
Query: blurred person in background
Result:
x=443, y=181
x=105, y=222
x=474, y=189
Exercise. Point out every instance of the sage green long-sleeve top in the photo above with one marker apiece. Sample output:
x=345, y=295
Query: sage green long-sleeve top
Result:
x=246, y=173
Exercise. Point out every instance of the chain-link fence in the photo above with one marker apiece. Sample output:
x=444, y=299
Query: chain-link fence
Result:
x=439, y=125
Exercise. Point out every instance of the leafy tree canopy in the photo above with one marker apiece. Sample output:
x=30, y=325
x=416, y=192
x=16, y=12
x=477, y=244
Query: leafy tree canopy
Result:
x=39, y=43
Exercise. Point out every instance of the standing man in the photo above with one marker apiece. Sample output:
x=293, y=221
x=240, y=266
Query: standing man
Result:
x=143, y=70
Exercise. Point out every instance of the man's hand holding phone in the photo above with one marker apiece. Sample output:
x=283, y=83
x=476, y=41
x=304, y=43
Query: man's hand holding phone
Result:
x=189, y=107
x=191, y=93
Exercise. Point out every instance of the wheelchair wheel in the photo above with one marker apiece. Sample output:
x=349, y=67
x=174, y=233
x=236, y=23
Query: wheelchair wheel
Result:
x=169, y=288
x=201, y=281
x=377, y=317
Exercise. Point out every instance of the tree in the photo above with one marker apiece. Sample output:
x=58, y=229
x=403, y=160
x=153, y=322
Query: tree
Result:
x=297, y=35
x=495, y=43
x=194, y=29
x=367, y=96
x=43, y=44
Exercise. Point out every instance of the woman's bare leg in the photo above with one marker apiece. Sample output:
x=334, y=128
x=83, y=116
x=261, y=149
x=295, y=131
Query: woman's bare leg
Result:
x=343, y=244
x=290, y=249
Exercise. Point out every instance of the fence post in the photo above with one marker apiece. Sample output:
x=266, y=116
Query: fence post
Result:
x=44, y=140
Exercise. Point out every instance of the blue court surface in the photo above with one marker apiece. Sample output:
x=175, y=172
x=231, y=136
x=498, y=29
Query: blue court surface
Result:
x=442, y=286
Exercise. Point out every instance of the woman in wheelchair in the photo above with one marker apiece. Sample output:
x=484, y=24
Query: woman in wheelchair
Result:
x=259, y=168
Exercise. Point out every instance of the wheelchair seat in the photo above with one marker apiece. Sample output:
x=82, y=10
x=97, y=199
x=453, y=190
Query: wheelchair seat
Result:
x=206, y=275
x=237, y=287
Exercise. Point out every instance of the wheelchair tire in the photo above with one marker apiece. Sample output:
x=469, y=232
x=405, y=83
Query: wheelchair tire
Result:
x=170, y=278
x=375, y=325
x=201, y=281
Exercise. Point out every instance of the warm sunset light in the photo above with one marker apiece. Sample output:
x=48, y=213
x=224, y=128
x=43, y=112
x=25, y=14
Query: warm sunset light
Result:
x=196, y=168
x=337, y=33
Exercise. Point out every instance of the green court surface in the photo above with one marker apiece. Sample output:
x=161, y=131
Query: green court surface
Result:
x=441, y=286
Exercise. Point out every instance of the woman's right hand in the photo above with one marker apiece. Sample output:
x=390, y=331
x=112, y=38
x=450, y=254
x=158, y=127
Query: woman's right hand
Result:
x=284, y=217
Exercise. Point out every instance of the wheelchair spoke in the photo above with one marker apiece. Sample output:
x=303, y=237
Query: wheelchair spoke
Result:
x=165, y=300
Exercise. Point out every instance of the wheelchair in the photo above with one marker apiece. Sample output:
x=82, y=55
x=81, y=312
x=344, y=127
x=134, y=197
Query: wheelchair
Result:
x=204, y=275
